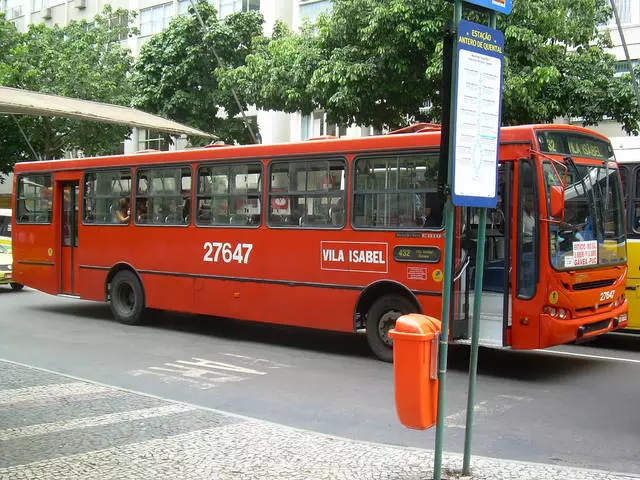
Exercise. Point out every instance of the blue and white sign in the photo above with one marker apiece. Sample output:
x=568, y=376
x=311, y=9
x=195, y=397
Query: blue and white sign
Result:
x=476, y=127
x=502, y=6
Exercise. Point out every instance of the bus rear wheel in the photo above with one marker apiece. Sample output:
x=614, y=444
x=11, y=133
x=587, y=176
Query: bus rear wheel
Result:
x=381, y=318
x=127, y=298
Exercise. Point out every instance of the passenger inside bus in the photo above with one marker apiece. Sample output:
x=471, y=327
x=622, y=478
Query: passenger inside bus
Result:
x=123, y=213
x=141, y=210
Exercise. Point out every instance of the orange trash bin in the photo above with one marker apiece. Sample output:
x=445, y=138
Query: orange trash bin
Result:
x=415, y=369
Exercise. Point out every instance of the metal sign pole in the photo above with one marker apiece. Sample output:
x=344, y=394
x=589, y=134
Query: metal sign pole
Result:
x=475, y=329
x=448, y=267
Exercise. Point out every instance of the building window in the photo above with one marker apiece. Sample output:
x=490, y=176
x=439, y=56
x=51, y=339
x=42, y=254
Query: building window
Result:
x=152, y=140
x=227, y=7
x=310, y=10
x=14, y=9
x=36, y=5
x=622, y=66
x=624, y=12
x=155, y=19
x=183, y=7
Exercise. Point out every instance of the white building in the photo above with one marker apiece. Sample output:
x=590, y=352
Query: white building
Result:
x=154, y=16
x=275, y=127
x=629, y=14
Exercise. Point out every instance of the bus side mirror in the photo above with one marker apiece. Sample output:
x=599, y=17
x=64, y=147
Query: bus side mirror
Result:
x=557, y=201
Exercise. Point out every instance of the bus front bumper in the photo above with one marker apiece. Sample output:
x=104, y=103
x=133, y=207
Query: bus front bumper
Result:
x=555, y=331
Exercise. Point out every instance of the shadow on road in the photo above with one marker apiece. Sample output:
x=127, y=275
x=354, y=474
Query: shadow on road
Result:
x=519, y=365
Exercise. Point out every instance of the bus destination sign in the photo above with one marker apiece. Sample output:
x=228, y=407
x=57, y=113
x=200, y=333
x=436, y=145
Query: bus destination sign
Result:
x=412, y=253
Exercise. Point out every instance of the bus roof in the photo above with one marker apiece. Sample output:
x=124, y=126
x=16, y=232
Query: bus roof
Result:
x=409, y=141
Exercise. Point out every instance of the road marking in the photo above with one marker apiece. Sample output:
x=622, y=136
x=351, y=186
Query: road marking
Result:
x=586, y=355
x=100, y=420
x=205, y=373
x=29, y=394
x=483, y=409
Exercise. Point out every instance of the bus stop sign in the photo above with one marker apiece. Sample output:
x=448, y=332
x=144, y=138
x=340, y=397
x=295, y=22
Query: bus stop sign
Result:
x=476, y=125
x=501, y=6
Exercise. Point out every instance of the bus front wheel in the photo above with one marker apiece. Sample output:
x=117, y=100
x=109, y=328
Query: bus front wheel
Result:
x=381, y=318
x=127, y=298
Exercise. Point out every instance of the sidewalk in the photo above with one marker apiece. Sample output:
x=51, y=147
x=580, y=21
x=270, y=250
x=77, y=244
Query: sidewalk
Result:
x=58, y=427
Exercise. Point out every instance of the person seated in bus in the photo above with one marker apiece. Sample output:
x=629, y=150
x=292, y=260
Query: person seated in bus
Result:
x=433, y=211
x=141, y=210
x=124, y=211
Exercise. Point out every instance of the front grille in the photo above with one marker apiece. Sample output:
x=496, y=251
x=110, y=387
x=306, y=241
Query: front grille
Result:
x=591, y=285
x=592, y=327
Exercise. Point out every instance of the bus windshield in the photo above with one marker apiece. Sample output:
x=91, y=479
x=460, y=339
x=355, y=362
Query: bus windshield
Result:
x=592, y=231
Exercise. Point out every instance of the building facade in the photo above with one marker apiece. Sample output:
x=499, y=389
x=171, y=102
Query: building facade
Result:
x=275, y=127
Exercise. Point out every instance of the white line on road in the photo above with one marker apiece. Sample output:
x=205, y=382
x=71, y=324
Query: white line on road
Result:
x=49, y=392
x=107, y=419
x=586, y=355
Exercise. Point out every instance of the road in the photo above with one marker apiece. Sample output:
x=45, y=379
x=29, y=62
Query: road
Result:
x=570, y=406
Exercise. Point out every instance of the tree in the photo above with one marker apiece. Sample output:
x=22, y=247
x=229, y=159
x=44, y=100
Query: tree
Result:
x=379, y=62
x=176, y=71
x=82, y=60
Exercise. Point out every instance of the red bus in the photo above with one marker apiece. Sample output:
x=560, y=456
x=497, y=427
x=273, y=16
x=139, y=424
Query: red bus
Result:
x=335, y=234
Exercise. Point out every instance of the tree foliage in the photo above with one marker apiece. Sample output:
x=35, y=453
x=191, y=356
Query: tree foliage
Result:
x=378, y=62
x=82, y=60
x=176, y=71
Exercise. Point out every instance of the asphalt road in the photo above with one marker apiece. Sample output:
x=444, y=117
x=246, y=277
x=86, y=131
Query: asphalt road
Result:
x=574, y=405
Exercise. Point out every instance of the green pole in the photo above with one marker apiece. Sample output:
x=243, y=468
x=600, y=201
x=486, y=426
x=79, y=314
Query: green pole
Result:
x=448, y=257
x=475, y=329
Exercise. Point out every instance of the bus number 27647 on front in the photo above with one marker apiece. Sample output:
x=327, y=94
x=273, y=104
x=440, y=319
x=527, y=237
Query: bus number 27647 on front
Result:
x=226, y=252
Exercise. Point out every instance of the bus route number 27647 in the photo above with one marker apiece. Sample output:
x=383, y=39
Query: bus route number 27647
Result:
x=226, y=252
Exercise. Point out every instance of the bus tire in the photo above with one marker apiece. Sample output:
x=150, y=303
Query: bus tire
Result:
x=127, y=298
x=16, y=286
x=381, y=318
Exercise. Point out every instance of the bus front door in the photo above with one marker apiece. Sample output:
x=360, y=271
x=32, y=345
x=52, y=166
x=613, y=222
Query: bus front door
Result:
x=495, y=306
x=68, y=236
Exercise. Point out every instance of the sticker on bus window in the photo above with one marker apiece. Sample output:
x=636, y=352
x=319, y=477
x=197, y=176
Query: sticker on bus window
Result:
x=585, y=253
x=354, y=256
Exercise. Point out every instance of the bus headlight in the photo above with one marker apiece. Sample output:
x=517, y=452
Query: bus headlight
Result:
x=562, y=313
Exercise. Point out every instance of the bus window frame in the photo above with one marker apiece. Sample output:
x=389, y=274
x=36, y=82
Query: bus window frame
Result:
x=134, y=192
x=344, y=193
x=221, y=163
x=88, y=171
x=434, y=151
x=17, y=198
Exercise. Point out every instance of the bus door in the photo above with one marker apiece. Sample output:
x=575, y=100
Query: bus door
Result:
x=68, y=236
x=496, y=302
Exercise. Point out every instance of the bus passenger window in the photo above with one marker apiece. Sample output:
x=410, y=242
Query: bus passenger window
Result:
x=397, y=192
x=104, y=192
x=307, y=193
x=162, y=195
x=229, y=194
